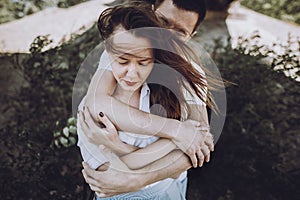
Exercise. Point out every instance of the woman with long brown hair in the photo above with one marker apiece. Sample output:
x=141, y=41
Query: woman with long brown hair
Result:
x=141, y=52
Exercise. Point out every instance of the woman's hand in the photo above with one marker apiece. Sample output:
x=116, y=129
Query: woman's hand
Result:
x=107, y=135
x=195, y=141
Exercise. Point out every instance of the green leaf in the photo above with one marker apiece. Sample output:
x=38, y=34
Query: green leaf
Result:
x=66, y=131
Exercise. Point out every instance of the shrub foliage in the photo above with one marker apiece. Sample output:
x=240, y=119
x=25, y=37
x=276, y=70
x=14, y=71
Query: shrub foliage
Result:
x=16, y=9
x=257, y=154
x=287, y=10
x=32, y=166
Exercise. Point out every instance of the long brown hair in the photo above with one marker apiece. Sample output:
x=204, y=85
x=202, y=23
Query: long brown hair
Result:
x=173, y=67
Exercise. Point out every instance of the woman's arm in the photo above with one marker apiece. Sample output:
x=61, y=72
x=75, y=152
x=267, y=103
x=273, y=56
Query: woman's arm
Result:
x=123, y=116
x=183, y=139
x=183, y=134
x=133, y=157
x=142, y=157
x=94, y=134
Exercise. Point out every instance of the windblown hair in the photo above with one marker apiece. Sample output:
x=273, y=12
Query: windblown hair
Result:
x=172, y=69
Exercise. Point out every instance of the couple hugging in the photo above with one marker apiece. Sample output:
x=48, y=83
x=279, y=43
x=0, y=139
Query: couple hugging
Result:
x=143, y=121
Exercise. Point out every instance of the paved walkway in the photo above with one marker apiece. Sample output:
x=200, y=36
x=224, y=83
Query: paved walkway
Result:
x=16, y=36
x=242, y=21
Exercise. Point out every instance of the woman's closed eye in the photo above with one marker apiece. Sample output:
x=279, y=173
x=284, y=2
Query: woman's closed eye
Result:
x=122, y=61
x=146, y=63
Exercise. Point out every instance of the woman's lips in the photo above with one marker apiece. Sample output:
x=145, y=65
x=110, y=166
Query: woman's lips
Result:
x=129, y=83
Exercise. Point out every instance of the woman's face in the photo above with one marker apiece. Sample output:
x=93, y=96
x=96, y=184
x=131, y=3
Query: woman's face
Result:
x=132, y=66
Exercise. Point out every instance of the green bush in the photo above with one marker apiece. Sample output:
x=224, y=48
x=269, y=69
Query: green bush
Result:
x=32, y=164
x=287, y=10
x=15, y=9
x=257, y=154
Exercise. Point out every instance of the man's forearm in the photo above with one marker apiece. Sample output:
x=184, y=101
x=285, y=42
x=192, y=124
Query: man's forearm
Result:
x=118, y=179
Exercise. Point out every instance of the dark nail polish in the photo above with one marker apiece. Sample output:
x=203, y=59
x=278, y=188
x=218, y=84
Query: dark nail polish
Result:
x=83, y=107
x=101, y=114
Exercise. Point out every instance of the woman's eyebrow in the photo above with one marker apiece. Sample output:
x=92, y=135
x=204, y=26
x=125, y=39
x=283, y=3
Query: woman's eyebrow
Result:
x=123, y=56
x=145, y=58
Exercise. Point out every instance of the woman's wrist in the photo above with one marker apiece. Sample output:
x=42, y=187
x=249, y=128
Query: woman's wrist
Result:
x=117, y=149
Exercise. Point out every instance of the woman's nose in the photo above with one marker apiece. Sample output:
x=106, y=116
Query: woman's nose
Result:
x=132, y=70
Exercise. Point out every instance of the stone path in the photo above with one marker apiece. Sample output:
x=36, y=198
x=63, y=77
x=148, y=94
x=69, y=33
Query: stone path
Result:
x=16, y=36
x=242, y=21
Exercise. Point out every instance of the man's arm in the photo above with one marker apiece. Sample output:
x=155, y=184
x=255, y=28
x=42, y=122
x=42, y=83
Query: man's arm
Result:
x=115, y=181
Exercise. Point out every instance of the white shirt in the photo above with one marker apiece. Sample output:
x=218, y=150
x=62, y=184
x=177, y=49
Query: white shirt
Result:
x=140, y=140
x=93, y=155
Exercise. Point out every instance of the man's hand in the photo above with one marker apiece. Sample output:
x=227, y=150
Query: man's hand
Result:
x=195, y=141
x=110, y=182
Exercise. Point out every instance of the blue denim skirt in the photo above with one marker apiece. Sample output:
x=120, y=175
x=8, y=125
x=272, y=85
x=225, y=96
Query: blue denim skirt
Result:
x=168, y=189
